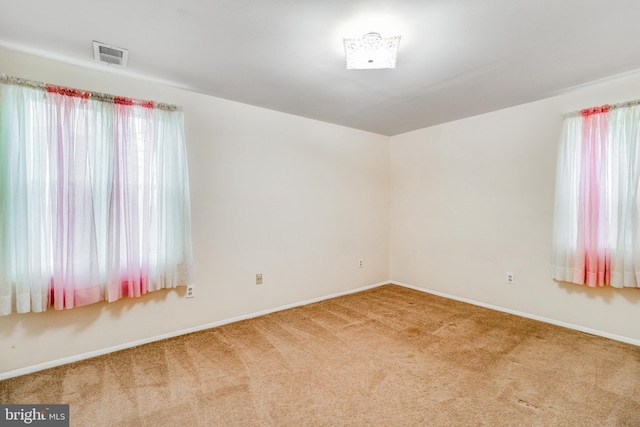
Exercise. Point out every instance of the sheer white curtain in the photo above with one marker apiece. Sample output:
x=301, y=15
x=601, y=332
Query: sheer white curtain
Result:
x=596, y=240
x=94, y=199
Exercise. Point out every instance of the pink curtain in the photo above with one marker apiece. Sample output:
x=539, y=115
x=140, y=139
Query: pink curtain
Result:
x=75, y=280
x=594, y=258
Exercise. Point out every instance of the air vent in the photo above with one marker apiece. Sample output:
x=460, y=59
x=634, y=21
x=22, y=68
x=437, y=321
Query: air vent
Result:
x=110, y=54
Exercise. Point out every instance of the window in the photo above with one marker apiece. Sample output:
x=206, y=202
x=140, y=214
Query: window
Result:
x=94, y=197
x=596, y=239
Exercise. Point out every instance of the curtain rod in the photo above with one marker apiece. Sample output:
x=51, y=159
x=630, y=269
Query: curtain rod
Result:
x=601, y=109
x=103, y=97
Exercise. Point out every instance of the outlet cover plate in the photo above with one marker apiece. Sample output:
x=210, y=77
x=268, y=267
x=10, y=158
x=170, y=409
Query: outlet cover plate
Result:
x=190, y=291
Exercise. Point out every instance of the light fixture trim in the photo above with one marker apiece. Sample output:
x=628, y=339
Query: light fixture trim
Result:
x=371, y=52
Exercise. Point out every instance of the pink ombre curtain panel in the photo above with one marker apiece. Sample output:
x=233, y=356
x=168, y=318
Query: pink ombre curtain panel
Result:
x=94, y=197
x=595, y=238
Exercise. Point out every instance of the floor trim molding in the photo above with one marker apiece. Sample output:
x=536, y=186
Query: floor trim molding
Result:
x=107, y=350
x=599, y=333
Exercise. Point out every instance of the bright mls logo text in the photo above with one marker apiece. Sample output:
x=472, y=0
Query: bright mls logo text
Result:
x=45, y=415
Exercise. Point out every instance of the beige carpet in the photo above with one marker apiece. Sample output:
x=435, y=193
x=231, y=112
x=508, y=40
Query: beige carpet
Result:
x=389, y=356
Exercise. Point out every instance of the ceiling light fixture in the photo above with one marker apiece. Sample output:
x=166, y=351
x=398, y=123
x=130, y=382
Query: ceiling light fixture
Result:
x=371, y=52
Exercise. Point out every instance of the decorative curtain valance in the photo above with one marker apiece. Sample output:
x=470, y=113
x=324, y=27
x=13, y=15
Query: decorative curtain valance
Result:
x=602, y=109
x=96, y=96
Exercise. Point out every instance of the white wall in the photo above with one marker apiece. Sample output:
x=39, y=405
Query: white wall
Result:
x=301, y=201
x=295, y=199
x=473, y=199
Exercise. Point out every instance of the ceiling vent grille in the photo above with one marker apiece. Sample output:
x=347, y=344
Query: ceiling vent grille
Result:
x=110, y=54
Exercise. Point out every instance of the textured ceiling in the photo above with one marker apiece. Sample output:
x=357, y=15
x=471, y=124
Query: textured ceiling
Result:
x=457, y=58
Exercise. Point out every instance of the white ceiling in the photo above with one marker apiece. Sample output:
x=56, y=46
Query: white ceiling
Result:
x=457, y=58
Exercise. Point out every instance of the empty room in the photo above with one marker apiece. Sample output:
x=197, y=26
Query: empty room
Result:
x=282, y=213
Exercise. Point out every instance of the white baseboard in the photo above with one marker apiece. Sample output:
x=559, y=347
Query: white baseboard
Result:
x=527, y=315
x=88, y=355
x=107, y=350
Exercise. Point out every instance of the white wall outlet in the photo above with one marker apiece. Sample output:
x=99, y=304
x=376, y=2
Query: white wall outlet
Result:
x=360, y=263
x=510, y=279
x=259, y=279
x=190, y=291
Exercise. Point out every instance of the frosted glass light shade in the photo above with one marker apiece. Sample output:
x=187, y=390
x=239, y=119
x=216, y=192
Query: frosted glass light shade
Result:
x=371, y=52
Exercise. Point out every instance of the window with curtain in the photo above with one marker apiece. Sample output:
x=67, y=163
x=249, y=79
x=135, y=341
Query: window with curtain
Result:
x=94, y=197
x=596, y=240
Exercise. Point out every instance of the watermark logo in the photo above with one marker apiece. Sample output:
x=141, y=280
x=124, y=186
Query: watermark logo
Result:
x=34, y=415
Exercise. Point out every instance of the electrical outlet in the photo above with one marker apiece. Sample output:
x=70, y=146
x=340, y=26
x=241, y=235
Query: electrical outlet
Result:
x=510, y=279
x=360, y=263
x=259, y=279
x=190, y=291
